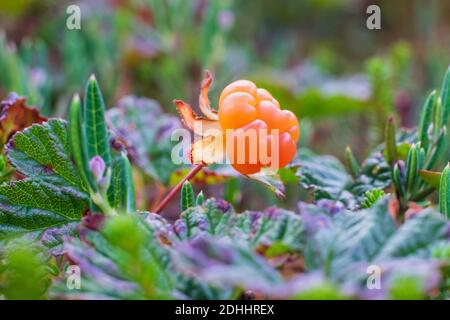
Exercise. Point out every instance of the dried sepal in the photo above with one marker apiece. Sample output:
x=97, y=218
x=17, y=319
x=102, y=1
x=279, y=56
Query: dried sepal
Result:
x=199, y=125
x=208, y=150
x=205, y=105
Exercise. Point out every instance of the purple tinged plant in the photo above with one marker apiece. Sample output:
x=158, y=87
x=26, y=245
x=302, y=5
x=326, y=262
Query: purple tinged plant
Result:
x=97, y=167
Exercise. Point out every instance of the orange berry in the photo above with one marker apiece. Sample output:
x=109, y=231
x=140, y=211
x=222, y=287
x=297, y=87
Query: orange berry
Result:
x=244, y=108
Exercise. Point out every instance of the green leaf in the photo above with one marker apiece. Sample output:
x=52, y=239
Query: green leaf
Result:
x=339, y=242
x=187, y=196
x=25, y=275
x=426, y=119
x=391, y=145
x=77, y=137
x=312, y=102
x=51, y=195
x=362, y=235
x=372, y=196
x=444, y=192
x=445, y=98
x=416, y=236
x=327, y=177
x=398, y=179
x=265, y=230
x=229, y=264
x=407, y=288
x=124, y=260
x=412, y=168
x=30, y=205
x=351, y=162
x=97, y=136
x=324, y=174
x=439, y=149
x=335, y=243
x=200, y=199
x=121, y=192
x=43, y=152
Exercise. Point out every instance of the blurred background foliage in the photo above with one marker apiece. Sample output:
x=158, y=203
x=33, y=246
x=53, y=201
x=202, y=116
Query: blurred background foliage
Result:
x=316, y=57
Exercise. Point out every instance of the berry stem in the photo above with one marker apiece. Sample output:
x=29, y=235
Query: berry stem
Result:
x=177, y=188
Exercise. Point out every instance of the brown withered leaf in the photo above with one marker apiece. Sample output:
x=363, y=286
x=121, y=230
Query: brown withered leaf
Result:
x=199, y=125
x=16, y=116
x=205, y=105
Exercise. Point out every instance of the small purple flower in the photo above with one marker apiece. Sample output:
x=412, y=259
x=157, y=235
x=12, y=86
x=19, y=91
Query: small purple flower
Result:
x=97, y=167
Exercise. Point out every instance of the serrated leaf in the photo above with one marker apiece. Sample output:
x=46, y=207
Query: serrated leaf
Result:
x=42, y=152
x=187, y=196
x=338, y=243
x=31, y=205
x=97, y=136
x=327, y=177
x=261, y=230
x=226, y=264
x=324, y=174
x=51, y=194
x=122, y=261
x=349, y=237
x=375, y=173
x=127, y=260
x=416, y=236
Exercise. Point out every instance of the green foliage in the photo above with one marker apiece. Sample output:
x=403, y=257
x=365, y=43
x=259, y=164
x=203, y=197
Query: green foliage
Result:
x=406, y=288
x=187, y=196
x=127, y=256
x=121, y=193
x=69, y=190
x=351, y=162
x=274, y=231
x=42, y=152
x=25, y=274
x=89, y=138
x=51, y=195
x=18, y=68
x=328, y=179
x=372, y=196
x=97, y=136
x=312, y=103
x=200, y=199
x=444, y=192
x=5, y=172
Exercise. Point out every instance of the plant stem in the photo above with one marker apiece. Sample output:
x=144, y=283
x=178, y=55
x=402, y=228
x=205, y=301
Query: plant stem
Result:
x=177, y=188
